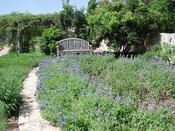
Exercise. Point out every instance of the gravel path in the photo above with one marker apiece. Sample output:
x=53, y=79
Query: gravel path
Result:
x=4, y=51
x=30, y=118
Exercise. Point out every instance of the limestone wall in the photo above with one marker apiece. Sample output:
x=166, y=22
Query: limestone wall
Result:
x=163, y=38
x=167, y=38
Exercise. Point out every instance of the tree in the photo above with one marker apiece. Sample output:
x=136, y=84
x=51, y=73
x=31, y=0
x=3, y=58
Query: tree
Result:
x=19, y=28
x=163, y=11
x=126, y=26
x=72, y=21
x=92, y=4
x=66, y=19
x=80, y=24
x=49, y=38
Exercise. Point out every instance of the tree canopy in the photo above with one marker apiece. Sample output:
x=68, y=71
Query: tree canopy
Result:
x=126, y=24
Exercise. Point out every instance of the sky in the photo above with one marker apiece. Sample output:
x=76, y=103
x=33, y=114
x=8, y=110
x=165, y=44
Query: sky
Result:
x=36, y=6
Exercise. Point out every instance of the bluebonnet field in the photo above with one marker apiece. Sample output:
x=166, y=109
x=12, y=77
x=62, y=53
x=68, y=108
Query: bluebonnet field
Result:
x=103, y=93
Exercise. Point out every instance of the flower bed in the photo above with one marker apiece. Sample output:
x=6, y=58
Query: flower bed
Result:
x=103, y=93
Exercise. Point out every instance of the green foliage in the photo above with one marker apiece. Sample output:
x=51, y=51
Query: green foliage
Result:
x=163, y=11
x=23, y=27
x=72, y=21
x=80, y=24
x=155, y=51
x=142, y=76
x=75, y=102
x=98, y=64
x=165, y=52
x=67, y=18
x=123, y=25
x=10, y=95
x=35, y=43
x=3, y=124
x=128, y=27
x=152, y=121
x=92, y=4
x=49, y=38
x=1, y=44
x=13, y=70
x=20, y=29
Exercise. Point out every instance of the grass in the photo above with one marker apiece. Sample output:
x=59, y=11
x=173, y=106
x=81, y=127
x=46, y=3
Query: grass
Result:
x=3, y=124
x=103, y=93
x=13, y=70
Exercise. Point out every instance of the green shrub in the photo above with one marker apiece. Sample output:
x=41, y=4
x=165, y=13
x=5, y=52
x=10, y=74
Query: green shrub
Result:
x=48, y=40
x=155, y=51
x=94, y=65
x=10, y=95
x=156, y=121
x=35, y=44
x=165, y=52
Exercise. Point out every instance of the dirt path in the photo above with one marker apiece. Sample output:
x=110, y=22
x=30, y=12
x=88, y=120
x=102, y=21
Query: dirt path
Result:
x=4, y=51
x=30, y=118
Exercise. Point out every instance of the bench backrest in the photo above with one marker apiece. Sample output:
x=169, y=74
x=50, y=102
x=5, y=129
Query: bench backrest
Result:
x=74, y=44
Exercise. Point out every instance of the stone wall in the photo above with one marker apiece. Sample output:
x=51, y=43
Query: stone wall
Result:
x=163, y=38
x=167, y=38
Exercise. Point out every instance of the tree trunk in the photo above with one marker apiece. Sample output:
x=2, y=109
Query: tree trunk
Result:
x=146, y=41
x=18, y=46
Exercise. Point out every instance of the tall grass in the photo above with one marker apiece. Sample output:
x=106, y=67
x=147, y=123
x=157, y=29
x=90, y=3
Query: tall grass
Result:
x=3, y=124
x=13, y=70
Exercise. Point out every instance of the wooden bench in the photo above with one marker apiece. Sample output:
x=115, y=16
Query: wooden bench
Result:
x=73, y=46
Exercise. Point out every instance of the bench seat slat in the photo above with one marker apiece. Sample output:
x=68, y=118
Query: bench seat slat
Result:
x=73, y=45
x=76, y=50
